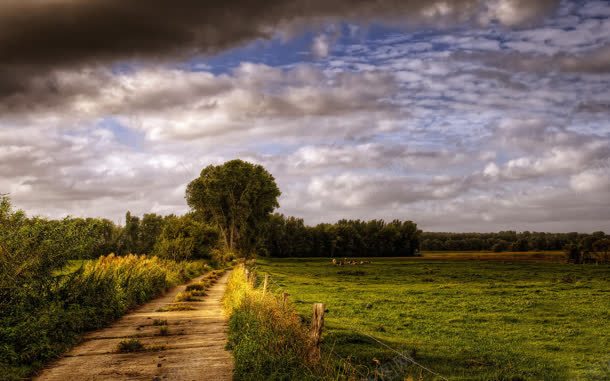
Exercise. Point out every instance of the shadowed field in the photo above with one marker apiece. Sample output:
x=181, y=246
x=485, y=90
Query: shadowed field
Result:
x=513, y=316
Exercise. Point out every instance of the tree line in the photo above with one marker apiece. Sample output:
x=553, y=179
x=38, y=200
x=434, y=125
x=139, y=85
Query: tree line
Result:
x=509, y=241
x=231, y=215
x=230, y=205
x=290, y=237
x=172, y=237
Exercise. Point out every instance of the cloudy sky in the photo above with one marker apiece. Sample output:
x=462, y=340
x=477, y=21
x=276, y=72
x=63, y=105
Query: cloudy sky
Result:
x=465, y=115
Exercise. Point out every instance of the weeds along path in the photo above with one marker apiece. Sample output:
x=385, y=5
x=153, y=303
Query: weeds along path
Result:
x=191, y=347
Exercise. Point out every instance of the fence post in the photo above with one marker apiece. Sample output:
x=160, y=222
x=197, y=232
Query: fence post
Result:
x=317, y=323
x=265, y=283
x=252, y=279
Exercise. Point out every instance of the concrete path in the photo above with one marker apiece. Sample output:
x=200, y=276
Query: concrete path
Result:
x=192, y=350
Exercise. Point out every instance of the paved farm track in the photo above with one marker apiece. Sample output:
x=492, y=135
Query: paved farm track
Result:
x=193, y=348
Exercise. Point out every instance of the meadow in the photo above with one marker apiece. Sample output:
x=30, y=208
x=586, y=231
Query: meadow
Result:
x=464, y=316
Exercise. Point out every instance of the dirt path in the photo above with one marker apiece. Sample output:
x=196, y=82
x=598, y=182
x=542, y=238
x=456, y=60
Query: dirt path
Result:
x=194, y=348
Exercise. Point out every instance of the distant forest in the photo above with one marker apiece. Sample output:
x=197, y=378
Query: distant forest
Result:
x=290, y=237
x=507, y=241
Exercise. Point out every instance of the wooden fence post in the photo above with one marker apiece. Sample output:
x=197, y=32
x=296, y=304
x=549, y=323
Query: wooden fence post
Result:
x=252, y=279
x=317, y=323
x=265, y=283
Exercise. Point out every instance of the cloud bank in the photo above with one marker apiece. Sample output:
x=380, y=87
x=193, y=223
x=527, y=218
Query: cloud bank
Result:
x=37, y=37
x=466, y=115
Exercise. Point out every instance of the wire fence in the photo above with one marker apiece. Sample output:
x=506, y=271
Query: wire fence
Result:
x=363, y=372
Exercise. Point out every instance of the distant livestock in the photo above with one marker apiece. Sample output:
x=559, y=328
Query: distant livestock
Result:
x=347, y=262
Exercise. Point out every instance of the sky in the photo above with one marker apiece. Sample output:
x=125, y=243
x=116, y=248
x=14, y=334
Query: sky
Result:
x=466, y=115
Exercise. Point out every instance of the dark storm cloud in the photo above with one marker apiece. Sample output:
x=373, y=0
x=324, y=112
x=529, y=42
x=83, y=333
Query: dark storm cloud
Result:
x=592, y=61
x=38, y=36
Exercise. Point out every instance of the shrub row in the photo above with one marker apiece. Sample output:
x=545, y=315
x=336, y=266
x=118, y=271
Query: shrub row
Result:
x=37, y=325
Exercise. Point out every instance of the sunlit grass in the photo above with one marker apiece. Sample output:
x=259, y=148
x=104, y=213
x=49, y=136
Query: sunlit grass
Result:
x=266, y=336
x=465, y=319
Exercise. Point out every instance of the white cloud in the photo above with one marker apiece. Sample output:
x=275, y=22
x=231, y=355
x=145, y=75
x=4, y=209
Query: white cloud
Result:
x=320, y=46
x=491, y=170
x=591, y=180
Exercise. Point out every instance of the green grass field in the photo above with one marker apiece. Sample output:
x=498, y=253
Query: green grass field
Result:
x=466, y=316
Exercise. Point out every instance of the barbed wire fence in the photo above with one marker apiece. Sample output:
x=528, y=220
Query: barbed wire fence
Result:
x=362, y=372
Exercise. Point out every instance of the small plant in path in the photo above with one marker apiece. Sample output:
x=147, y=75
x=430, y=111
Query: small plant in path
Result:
x=176, y=307
x=196, y=287
x=186, y=296
x=130, y=345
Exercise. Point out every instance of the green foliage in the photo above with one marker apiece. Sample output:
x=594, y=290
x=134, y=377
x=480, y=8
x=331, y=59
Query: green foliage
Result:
x=237, y=197
x=130, y=345
x=30, y=249
x=163, y=330
x=509, y=241
x=186, y=296
x=71, y=238
x=44, y=309
x=573, y=253
x=97, y=237
x=290, y=237
x=186, y=238
x=465, y=319
x=150, y=229
x=129, y=239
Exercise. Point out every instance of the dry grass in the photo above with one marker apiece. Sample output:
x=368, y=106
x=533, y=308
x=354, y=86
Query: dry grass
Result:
x=186, y=296
x=266, y=335
x=176, y=307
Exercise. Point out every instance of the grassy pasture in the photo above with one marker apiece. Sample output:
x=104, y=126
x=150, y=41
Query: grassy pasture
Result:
x=467, y=316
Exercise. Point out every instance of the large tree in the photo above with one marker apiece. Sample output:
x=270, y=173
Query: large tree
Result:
x=238, y=197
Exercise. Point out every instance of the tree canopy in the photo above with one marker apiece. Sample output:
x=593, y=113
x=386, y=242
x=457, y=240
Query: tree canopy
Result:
x=238, y=198
x=184, y=238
